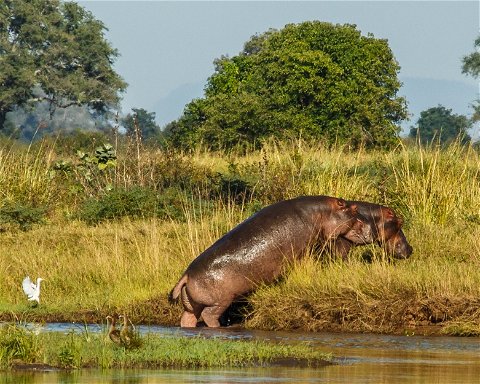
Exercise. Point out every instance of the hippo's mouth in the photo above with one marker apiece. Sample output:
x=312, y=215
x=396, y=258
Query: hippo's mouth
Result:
x=358, y=238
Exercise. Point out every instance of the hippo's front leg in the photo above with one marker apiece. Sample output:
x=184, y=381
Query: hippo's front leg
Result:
x=188, y=320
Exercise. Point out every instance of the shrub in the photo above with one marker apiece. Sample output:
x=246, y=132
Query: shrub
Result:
x=19, y=216
x=118, y=203
x=135, y=202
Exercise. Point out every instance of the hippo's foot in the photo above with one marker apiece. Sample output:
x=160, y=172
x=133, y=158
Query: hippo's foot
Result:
x=211, y=315
x=188, y=320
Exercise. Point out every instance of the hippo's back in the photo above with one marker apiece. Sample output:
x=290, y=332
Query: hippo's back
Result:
x=256, y=248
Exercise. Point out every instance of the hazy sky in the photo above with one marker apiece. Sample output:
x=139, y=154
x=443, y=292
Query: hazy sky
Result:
x=167, y=47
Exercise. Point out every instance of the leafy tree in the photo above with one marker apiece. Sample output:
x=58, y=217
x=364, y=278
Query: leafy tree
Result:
x=314, y=79
x=471, y=66
x=54, y=51
x=145, y=122
x=439, y=123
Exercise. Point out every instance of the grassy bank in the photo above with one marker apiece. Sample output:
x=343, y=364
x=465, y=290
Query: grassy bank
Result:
x=115, y=239
x=20, y=347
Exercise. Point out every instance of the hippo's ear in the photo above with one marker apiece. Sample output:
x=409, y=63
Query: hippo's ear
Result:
x=354, y=209
x=342, y=205
x=389, y=214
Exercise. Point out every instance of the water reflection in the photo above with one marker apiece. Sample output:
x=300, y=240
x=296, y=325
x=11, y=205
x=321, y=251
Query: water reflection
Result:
x=355, y=374
x=361, y=359
x=250, y=375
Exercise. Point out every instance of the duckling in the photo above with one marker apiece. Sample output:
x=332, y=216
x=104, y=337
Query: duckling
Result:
x=130, y=338
x=125, y=333
x=113, y=333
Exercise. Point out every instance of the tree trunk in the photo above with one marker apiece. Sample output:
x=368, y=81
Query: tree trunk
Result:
x=3, y=117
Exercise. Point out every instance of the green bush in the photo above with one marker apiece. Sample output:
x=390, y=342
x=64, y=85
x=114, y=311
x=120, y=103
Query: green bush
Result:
x=67, y=143
x=170, y=204
x=118, y=203
x=235, y=185
x=136, y=202
x=69, y=355
x=19, y=216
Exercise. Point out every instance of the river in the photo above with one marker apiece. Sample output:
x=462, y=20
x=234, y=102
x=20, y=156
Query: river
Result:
x=359, y=358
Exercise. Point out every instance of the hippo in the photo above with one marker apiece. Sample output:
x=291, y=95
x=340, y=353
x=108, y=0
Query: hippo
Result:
x=257, y=251
x=387, y=232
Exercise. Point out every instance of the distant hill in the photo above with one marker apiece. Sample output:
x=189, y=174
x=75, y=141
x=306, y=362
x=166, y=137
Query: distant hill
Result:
x=171, y=107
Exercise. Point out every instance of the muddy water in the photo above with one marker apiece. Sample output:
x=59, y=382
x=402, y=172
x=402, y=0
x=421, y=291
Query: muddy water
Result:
x=360, y=358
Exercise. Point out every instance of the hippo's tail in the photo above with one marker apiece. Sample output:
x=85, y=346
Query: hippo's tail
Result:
x=175, y=293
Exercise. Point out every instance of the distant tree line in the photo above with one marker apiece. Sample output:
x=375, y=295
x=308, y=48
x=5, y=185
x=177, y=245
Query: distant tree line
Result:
x=440, y=125
x=315, y=80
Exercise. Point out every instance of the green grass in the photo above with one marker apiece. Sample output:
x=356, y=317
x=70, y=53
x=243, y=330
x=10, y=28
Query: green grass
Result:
x=87, y=350
x=462, y=328
x=128, y=265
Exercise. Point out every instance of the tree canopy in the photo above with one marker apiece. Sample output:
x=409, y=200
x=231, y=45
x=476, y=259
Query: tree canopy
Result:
x=315, y=79
x=57, y=52
x=440, y=124
x=144, y=122
x=471, y=66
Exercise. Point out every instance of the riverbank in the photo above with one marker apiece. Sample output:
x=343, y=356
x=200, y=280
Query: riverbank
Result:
x=116, y=240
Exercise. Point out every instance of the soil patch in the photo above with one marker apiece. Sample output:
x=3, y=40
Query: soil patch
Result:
x=20, y=366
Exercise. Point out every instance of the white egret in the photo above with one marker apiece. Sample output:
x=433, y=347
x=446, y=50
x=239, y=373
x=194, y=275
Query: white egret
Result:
x=31, y=289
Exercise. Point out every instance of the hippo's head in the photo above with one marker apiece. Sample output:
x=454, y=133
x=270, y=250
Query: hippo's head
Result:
x=346, y=221
x=388, y=233
x=387, y=223
x=398, y=246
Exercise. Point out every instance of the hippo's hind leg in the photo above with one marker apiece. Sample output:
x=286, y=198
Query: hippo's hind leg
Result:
x=191, y=312
x=211, y=315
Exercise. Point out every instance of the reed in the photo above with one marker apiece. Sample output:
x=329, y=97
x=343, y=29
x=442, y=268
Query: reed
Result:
x=434, y=184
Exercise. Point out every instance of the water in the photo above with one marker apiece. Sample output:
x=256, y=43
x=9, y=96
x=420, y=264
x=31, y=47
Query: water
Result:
x=360, y=358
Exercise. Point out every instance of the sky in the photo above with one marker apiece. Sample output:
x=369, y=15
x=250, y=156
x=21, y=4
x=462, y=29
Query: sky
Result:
x=167, y=48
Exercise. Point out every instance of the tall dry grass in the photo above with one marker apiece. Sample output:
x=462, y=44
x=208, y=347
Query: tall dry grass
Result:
x=131, y=265
x=435, y=185
x=25, y=174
